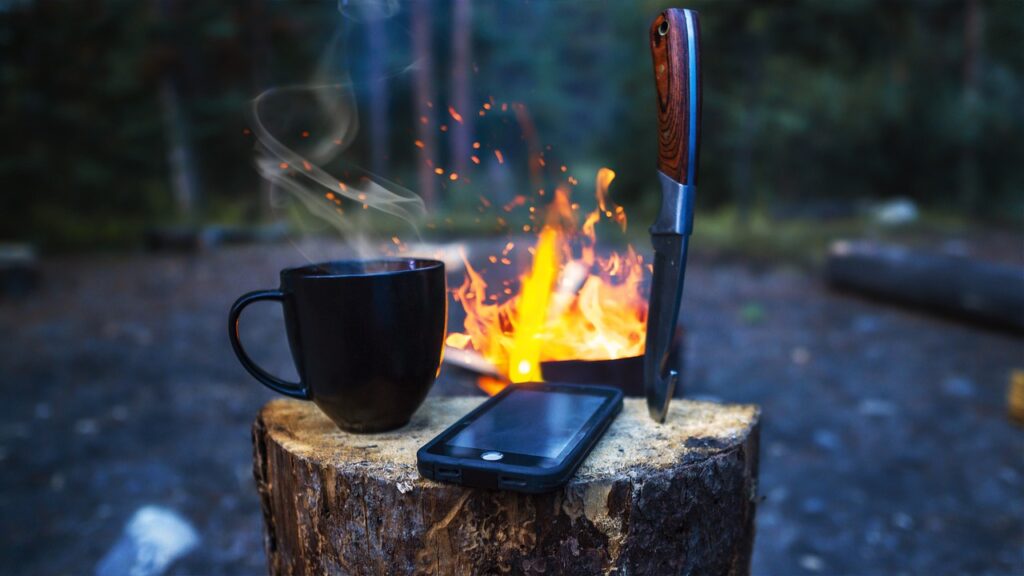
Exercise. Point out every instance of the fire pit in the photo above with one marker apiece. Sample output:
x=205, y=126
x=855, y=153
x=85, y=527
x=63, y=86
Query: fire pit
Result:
x=626, y=374
x=574, y=314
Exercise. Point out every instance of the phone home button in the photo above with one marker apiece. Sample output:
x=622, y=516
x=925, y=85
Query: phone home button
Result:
x=492, y=456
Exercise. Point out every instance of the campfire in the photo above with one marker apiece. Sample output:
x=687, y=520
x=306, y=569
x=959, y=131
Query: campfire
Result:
x=571, y=303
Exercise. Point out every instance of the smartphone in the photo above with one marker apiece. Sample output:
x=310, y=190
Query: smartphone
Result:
x=528, y=438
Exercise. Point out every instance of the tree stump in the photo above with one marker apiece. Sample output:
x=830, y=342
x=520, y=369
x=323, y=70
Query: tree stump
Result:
x=676, y=498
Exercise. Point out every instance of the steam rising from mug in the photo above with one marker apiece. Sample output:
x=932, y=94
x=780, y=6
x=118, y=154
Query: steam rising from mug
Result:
x=304, y=131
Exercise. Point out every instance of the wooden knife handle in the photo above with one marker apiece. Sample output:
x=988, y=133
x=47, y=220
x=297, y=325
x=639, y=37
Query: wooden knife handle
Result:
x=675, y=46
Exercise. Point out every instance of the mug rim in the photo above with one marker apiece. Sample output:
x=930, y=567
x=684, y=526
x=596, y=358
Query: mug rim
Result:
x=422, y=265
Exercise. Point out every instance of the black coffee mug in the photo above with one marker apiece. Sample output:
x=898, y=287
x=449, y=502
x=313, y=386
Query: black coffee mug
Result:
x=366, y=337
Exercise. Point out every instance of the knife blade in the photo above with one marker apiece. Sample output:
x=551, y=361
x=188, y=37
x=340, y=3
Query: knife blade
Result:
x=675, y=48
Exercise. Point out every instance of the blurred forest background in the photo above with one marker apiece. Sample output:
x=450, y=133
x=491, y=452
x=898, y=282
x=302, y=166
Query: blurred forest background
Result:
x=121, y=115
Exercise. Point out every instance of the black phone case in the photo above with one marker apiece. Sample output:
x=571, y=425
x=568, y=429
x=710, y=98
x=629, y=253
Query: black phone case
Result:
x=498, y=476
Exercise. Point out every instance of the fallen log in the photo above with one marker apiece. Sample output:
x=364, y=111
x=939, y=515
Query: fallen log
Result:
x=964, y=287
x=676, y=498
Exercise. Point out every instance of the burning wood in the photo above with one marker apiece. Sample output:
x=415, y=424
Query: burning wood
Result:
x=571, y=304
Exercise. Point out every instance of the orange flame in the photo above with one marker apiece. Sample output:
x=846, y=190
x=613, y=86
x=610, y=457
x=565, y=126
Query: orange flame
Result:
x=571, y=304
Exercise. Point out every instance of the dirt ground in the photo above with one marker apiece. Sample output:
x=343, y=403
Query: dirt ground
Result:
x=886, y=448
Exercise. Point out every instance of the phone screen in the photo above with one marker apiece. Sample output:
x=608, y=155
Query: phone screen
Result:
x=530, y=422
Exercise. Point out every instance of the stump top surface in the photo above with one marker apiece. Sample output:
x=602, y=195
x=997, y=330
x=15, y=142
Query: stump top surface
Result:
x=692, y=429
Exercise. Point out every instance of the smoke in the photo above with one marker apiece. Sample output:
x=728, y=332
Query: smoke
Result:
x=304, y=133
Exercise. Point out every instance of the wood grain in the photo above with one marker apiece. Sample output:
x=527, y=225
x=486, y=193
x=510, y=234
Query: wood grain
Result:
x=672, y=77
x=676, y=498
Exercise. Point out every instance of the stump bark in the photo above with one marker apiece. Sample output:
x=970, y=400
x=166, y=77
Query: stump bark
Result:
x=676, y=498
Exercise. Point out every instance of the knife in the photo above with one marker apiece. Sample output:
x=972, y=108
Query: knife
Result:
x=675, y=46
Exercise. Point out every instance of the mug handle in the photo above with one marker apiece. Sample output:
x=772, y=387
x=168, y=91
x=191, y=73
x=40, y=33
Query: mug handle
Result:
x=299, y=390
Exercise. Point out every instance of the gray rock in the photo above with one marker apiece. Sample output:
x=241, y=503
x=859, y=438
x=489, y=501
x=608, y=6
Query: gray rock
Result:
x=151, y=541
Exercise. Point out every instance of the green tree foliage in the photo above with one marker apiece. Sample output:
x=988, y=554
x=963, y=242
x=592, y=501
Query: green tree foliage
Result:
x=805, y=100
x=84, y=156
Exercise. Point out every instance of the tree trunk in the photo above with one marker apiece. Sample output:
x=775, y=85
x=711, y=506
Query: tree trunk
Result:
x=180, y=160
x=380, y=120
x=423, y=94
x=743, y=158
x=973, y=35
x=462, y=61
x=184, y=180
x=254, y=21
x=676, y=498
